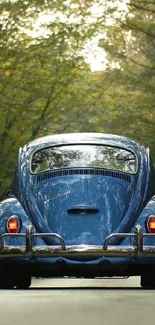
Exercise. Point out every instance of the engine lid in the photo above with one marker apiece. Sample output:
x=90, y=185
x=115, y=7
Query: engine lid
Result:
x=83, y=209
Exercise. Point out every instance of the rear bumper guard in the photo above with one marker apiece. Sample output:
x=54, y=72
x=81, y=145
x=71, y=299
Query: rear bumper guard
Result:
x=30, y=251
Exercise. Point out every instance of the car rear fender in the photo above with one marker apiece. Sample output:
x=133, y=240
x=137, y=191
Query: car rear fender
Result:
x=9, y=207
x=143, y=218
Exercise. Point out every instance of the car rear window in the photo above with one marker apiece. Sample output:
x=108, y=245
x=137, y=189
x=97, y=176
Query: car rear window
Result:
x=76, y=156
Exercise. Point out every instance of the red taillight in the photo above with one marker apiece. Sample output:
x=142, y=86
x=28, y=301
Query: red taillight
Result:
x=151, y=224
x=13, y=224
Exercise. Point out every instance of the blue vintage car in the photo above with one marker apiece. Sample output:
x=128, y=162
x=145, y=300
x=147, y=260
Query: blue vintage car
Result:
x=80, y=205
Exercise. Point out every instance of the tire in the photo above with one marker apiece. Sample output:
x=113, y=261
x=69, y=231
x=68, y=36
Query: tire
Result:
x=11, y=277
x=23, y=281
x=147, y=281
x=6, y=282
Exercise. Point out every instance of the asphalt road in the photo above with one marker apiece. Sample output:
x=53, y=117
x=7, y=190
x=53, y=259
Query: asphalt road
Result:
x=78, y=301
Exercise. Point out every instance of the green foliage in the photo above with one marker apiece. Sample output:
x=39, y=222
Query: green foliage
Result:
x=42, y=88
x=130, y=45
x=46, y=86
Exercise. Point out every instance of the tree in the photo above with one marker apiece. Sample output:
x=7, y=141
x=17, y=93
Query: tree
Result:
x=46, y=86
x=129, y=43
x=45, y=81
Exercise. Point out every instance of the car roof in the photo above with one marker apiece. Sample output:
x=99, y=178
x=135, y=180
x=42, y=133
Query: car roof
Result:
x=73, y=138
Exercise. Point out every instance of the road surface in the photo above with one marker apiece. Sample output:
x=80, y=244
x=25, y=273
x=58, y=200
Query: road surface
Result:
x=78, y=302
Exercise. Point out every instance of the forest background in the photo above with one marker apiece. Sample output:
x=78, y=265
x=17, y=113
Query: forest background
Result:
x=48, y=83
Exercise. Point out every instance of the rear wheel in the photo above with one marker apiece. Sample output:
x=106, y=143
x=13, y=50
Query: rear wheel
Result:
x=11, y=276
x=23, y=281
x=6, y=280
x=6, y=283
x=148, y=280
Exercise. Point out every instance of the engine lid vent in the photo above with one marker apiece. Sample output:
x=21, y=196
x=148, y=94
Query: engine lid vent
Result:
x=81, y=171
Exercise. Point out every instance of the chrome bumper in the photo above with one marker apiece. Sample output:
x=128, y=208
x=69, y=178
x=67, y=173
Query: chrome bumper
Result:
x=30, y=251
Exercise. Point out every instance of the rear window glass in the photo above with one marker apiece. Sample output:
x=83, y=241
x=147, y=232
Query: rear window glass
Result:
x=76, y=156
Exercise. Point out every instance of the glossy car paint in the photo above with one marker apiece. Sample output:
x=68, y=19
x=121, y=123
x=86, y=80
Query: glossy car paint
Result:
x=62, y=213
x=45, y=204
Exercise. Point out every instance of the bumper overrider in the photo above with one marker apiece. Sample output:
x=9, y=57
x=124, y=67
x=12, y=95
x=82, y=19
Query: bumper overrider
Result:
x=30, y=251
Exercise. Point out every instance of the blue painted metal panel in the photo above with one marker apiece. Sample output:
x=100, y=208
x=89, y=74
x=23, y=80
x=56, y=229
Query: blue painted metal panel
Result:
x=8, y=208
x=111, y=196
x=121, y=205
